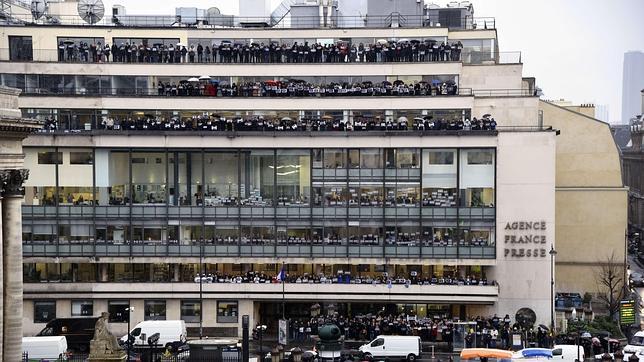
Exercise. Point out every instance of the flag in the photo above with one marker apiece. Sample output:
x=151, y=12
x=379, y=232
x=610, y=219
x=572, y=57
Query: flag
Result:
x=282, y=275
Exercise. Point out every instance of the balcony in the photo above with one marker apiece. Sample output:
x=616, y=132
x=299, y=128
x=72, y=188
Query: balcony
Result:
x=292, y=291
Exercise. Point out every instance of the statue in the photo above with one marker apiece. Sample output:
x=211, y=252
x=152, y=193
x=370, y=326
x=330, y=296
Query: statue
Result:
x=104, y=346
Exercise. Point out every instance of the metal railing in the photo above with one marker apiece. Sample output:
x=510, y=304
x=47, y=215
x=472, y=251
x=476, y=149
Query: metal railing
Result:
x=467, y=56
x=196, y=92
x=286, y=21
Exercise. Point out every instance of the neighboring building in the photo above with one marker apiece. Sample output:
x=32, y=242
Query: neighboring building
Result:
x=632, y=83
x=128, y=217
x=588, y=183
x=13, y=130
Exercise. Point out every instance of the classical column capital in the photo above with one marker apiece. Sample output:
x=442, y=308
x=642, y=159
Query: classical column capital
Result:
x=12, y=180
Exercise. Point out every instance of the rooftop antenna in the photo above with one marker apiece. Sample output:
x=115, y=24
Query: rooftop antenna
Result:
x=91, y=11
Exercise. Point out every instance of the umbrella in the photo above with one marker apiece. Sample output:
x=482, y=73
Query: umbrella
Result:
x=544, y=327
x=181, y=45
x=381, y=41
x=327, y=117
x=398, y=82
x=415, y=41
x=214, y=81
x=204, y=77
x=193, y=79
x=68, y=42
x=586, y=335
x=286, y=119
x=403, y=119
x=405, y=40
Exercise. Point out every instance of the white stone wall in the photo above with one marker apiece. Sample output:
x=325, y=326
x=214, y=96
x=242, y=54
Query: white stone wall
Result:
x=525, y=193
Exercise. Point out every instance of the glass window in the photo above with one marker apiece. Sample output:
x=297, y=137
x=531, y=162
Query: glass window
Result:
x=118, y=310
x=221, y=171
x=481, y=157
x=370, y=158
x=477, y=178
x=82, y=308
x=258, y=178
x=44, y=310
x=154, y=310
x=191, y=311
x=378, y=342
x=227, y=311
x=81, y=158
x=440, y=157
x=50, y=158
x=334, y=158
x=407, y=158
x=439, y=178
x=20, y=48
x=293, y=177
x=148, y=177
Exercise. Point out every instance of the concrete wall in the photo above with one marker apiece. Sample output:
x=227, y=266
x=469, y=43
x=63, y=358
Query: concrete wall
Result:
x=591, y=200
x=525, y=193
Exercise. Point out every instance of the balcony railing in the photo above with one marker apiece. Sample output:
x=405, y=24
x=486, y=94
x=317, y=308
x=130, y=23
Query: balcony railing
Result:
x=394, y=20
x=273, y=291
x=467, y=56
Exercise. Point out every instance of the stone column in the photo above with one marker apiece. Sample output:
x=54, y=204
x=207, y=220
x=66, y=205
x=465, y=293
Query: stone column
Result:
x=12, y=263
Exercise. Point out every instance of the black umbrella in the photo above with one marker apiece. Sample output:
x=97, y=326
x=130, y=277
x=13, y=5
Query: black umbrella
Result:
x=68, y=42
x=543, y=326
x=415, y=41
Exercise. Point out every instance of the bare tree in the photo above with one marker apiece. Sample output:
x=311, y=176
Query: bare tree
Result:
x=610, y=283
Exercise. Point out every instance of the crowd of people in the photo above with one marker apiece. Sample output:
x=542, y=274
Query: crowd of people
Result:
x=214, y=88
x=213, y=122
x=261, y=52
x=413, y=278
x=492, y=332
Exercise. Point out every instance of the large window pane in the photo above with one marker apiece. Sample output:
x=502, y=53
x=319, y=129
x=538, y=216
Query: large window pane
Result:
x=20, y=48
x=191, y=311
x=221, y=179
x=44, y=310
x=154, y=310
x=439, y=178
x=227, y=311
x=477, y=178
x=118, y=310
x=148, y=177
x=258, y=178
x=293, y=177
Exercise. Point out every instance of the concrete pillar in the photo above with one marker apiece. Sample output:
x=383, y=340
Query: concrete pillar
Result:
x=12, y=264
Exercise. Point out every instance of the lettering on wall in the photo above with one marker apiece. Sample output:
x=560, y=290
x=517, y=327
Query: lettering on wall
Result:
x=525, y=239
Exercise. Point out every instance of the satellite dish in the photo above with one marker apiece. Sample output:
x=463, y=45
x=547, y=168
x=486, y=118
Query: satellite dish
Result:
x=213, y=11
x=38, y=8
x=91, y=11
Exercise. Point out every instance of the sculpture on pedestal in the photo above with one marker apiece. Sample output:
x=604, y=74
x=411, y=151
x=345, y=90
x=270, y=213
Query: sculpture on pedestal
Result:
x=104, y=346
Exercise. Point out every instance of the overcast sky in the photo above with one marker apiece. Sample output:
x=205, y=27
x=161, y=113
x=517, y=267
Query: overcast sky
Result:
x=574, y=48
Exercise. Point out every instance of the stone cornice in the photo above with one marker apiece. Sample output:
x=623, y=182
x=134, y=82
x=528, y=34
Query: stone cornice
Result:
x=11, y=182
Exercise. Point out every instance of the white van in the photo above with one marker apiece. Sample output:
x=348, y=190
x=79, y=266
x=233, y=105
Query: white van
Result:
x=170, y=333
x=635, y=346
x=49, y=348
x=568, y=352
x=403, y=347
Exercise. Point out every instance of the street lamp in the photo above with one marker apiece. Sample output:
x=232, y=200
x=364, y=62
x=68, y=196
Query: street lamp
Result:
x=574, y=318
x=552, y=253
x=129, y=311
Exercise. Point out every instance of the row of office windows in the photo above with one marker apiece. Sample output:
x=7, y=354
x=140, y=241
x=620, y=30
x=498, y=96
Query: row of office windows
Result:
x=124, y=85
x=154, y=309
x=403, y=177
x=225, y=272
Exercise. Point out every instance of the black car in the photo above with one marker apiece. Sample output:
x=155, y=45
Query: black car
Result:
x=77, y=331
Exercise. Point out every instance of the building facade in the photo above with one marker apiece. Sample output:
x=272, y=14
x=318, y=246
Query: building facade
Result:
x=391, y=199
